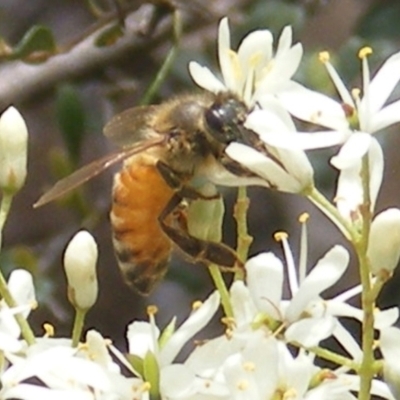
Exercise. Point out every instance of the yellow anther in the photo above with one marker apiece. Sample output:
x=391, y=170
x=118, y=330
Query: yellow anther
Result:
x=83, y=346
x=304, y=218
x=289, y=394
x=152, y=310
x=228, y=321
x=365, y=52
x=243, y=385
x=327, y=374
x=34, y=305
x=249, y=366
x=48, y=329
x=324, y=56
x=196, y=305
x=355, y=93
x=279, y=236
x=146, y=387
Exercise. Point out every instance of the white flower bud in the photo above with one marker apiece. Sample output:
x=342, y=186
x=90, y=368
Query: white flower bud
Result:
x=13, y=150
x=20, y=285
x=80, y=267
x=384, y=241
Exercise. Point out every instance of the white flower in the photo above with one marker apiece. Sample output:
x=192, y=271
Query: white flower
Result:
x=350, y=194
x=142, y=336
x=288, y=170
x=254, y=68
x=80, y=260
x=305, y=316
x=13, y=150
x=20, y=285
x=96, y=350
x=354, y=119
x=228, y=368
x=255, y=74
x=146, y=343
x=67, y=371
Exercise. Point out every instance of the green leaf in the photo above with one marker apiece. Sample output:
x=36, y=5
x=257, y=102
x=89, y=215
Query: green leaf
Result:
x=381, y=21
x=167, y=333
x=137, y=363
x=152, y=374
x=109, y=36
x=71, y=119
x=36, y=46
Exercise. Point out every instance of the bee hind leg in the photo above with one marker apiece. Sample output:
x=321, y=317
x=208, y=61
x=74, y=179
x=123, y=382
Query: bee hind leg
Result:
x=200, y=250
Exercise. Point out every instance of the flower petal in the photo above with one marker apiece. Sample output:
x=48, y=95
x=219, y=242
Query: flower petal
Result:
x=204, y=78
x=304, y=140
x=26, y=391
x=354, y=149
x=140, y=338
x=386, y=318
x=177, y=381
x=327, y=272
x=376, y=167
x=387, y=116
x=347, y=341
x=270, y=171
x=313, y=107
x=256, y=48
x=196, y=321
x=243, y=307
x=310, y=331
x=384, y=82
x=265, y=280
x=390, y=348
x=225, y=55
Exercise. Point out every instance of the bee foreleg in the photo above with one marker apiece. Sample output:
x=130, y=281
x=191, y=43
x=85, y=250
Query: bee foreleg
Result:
x=200, y=250
x=235, y=168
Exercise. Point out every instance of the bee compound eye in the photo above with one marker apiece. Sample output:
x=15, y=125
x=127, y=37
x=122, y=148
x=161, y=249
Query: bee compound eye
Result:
x=214, y=119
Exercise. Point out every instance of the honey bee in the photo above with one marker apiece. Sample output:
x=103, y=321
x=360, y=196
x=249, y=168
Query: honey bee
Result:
x=169, y=151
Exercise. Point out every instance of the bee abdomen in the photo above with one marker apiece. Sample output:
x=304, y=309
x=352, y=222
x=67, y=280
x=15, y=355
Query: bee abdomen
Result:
x=142, y=249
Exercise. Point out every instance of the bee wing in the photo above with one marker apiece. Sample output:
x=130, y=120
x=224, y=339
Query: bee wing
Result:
x=130, y=126
x=93, y=169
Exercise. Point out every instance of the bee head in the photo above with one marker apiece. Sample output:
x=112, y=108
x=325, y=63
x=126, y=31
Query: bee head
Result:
x=225, y=118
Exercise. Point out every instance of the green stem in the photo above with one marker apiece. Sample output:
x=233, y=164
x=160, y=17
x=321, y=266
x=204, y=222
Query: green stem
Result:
x=26, y=330
x=368, y=294
x=219, y=282
x=330, y=210
x=334, y=357
x=78, y=326
x=368, y=305
x=165, y=68
x=244, y=240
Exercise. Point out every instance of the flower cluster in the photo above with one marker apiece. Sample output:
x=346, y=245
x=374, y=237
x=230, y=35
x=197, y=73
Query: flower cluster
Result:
x=274, y=344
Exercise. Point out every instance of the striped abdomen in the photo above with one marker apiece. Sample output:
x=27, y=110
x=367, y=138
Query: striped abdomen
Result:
x=140, y=194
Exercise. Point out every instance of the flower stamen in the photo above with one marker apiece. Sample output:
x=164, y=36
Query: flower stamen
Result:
x=365, y=52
